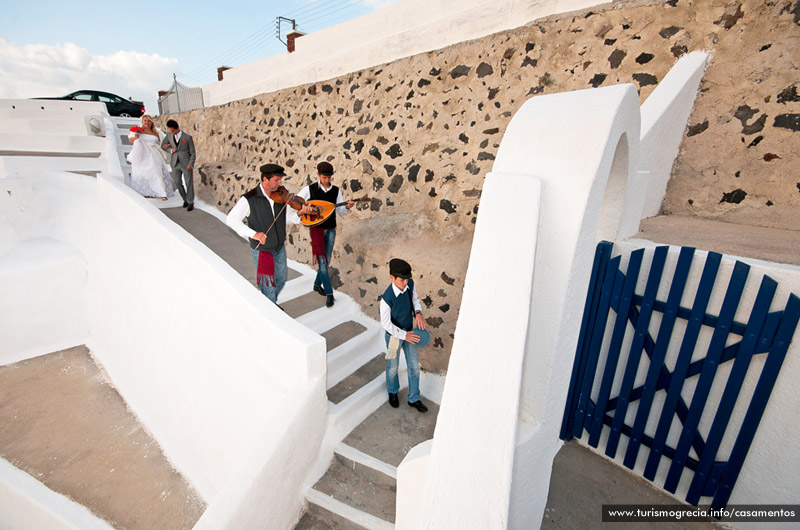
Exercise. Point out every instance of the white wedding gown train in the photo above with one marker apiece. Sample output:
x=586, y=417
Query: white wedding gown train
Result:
x=149, y=174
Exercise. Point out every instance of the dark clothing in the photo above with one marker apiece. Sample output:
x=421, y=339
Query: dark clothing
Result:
x=261, y=218
x=318, y=194
x=402, y=308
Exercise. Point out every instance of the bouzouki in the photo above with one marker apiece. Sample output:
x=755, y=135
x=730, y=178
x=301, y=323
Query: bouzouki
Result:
x=323, y=210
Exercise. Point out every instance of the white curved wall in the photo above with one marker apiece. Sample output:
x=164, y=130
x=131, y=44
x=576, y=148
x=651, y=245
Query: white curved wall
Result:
x=664, y=117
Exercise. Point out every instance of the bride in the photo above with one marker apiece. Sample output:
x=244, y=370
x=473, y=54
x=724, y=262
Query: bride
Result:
x=149, y=174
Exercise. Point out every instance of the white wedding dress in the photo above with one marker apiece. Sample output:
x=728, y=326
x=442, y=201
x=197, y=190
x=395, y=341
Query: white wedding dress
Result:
x=149, y=174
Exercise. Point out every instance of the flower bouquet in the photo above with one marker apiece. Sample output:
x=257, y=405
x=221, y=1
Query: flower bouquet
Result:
x=134, y=131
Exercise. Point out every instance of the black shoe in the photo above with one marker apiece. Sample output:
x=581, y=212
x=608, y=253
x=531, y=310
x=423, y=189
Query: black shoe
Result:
x=329, y=301
x=319, y=289
x=393, y=401
x=185, y=204
x=190, y=208
x=419, y=405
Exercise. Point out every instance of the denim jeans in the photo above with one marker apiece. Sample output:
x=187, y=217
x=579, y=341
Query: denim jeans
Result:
x=412, y=363
x=323, y=278
x=272, y=292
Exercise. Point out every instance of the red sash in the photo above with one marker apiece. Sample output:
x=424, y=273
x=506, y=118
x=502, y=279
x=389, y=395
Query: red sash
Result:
x=318, y=245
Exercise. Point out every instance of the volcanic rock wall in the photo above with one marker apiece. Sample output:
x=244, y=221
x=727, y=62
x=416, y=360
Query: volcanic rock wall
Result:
x=417, y=136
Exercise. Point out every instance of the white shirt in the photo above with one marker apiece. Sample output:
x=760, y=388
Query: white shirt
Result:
x=177, y=137
x=241, y=210
x=305, y=193
x=386, y=312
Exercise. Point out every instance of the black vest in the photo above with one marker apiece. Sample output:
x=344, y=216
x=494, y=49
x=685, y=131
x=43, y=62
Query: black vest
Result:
x=402, y=307
x=316, y=193
x=261, y=217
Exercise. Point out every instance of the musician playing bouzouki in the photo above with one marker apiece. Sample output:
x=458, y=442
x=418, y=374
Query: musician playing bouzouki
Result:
x=323, y=235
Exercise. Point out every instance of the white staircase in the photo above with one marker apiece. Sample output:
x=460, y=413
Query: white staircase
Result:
x=54, y=135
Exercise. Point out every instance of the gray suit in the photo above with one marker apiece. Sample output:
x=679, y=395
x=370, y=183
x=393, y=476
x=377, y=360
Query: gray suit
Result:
x=180, y=159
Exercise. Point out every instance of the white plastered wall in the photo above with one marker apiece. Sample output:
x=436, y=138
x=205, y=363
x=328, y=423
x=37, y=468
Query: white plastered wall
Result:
x=226, y=382
x=43, y=281
x=397, y=31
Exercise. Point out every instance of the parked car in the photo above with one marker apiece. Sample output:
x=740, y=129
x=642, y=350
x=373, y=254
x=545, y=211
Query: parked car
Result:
x=116, y=105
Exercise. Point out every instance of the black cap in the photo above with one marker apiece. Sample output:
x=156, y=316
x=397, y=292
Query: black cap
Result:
x=399, y=268
x=324, y=168
x=272, y=170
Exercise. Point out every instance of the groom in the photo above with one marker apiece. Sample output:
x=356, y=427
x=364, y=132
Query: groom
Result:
x=181, y=146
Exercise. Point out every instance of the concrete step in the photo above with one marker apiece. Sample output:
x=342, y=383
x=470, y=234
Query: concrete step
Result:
x=306, y=303
x=28, y=164
x=342, y=333
x=338, y=515
x=375, y=368
x=44, y=127
x=348, y=414
x=388, y=434
x=42, y=112
x=64, y=144
x=360, y=482
x=355, y=353
x=314, y=521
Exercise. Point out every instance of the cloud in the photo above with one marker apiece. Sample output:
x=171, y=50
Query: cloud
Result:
x=36, y=70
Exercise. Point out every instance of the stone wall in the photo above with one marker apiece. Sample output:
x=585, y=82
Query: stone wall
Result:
x=417, y=136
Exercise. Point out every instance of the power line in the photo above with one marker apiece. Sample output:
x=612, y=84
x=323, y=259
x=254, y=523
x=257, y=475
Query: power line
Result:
x=321, y=11
x=356, y=9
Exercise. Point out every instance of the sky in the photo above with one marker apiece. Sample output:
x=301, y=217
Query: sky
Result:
x=132, y=49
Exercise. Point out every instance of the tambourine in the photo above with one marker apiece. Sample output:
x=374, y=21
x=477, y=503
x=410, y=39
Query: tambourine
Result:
x=424, y=337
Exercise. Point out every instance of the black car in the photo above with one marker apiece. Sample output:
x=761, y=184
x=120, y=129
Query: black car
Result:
x=116, y=105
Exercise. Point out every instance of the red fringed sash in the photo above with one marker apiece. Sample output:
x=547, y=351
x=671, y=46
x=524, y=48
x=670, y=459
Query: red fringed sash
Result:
x=318, y=245
x=265, y=272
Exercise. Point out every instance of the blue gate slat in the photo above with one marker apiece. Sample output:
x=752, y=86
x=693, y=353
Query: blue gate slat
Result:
x=701, y=391
x=637, y=347
x=601, y=256
x=728, y=354
x=679, y=278
x=590, y=408
x=625, y=300
x=717, y=471
x=695, y=320
x=768, y=333
x=611, y=362
x=595, y=344
x=758, y=403
x=736, y=377
x=737, y=328
x=647, y=441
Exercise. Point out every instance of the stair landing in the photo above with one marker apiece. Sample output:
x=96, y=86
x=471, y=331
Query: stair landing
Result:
x=67, y=426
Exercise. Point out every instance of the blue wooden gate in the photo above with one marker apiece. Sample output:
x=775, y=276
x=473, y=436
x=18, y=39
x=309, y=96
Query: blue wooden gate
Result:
x=765, y=332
